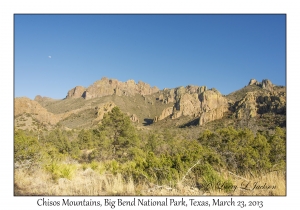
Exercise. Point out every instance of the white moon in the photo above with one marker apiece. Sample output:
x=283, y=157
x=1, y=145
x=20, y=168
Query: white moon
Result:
x=49, y=56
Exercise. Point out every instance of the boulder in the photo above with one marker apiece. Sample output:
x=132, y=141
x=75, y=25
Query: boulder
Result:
x=134, y=118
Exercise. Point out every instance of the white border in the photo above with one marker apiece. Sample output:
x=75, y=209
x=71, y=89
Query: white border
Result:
x=9, y=8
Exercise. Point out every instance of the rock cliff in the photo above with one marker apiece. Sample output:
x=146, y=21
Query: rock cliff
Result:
x=194, y=101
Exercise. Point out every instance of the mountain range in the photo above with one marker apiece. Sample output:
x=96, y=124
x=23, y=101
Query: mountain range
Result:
x=259, y=105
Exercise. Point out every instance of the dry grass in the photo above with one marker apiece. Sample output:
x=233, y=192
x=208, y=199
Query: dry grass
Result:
x=273, y=183
x=84, y=182
x=91, y=182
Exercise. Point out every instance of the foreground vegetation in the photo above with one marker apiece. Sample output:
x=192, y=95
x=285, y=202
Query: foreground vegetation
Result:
x=117, y=159
x=91, y=182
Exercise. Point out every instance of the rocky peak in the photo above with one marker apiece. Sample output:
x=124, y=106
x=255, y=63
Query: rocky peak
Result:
x=39, y=98
x=265, y=84
x=76, y=92
x=107, y=86
x=253, y=82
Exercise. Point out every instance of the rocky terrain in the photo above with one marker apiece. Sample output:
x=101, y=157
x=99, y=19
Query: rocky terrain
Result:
x=148, y=106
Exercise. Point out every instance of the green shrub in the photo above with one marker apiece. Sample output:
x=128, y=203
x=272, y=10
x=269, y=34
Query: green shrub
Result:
x=58, y=170
x=94, y=165
x=26, y=148
x=113, y=166
x=84, y=166
x=67, y=171
x=212, y=181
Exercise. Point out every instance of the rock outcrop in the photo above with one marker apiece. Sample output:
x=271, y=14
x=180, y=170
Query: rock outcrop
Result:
x=76, y=92
x=213, y=106
x=268, y=99
x=165, y=113
x=107, y=86
x=41, y=99
x=246, y=108
x=265, y=84
x=253, y=82
x=103, y=109
x=193, y=101
x=187, y=105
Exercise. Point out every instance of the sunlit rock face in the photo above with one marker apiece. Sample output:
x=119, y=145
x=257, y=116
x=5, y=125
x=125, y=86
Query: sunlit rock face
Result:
x=194, y=101
x=107, y=86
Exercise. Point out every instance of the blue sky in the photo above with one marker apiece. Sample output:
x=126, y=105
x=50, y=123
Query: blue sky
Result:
x=54, y=53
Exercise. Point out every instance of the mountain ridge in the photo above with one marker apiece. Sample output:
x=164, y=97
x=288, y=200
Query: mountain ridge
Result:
x=146, y=105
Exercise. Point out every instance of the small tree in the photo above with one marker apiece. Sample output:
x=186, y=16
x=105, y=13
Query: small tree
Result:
x=117, y=133
x=85, y=139
x=26, y=149
x=278, y=147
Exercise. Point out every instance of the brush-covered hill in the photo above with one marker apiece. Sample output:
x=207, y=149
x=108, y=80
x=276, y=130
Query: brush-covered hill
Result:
x=257, y=105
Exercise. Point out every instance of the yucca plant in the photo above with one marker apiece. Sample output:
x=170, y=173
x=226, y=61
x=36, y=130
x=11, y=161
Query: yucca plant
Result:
x=61, y=170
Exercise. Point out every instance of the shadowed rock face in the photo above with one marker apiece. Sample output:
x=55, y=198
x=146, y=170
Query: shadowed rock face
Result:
x=107, y=86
